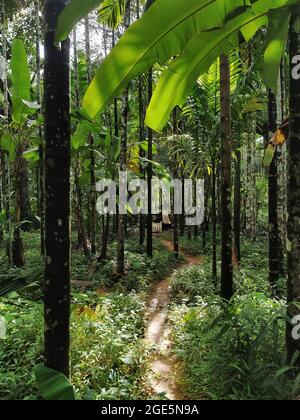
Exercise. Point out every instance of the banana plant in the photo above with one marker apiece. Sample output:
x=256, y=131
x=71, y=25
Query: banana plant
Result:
x=188, y=33
x=17, y=135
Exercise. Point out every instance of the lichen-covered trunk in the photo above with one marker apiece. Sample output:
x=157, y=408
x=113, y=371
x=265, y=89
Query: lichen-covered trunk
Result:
x=273, y=197
x=57, y=194
x=293, y=296
x=226, y=207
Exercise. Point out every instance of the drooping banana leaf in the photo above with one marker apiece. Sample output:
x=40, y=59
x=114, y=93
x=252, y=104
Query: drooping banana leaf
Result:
x=163, y=32
x=11, y=283
x=275, y=42
x=73, y=13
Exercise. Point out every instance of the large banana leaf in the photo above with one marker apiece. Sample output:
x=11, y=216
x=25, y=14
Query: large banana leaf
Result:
x=11, y=283
x=180, y=77
x=20, y=77
x=275, y=43
x=53, y=385
x=73, y=13
x=163, y=32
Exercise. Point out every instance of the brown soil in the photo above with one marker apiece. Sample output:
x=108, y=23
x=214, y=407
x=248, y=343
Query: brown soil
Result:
x=161, y=375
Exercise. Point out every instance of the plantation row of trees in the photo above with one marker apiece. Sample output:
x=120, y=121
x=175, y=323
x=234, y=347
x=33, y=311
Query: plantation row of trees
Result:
x=211, y=108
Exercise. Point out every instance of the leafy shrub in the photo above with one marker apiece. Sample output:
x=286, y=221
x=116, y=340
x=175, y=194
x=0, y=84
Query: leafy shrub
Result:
x=188, y=283
x=21, y=349
x=234, y=352
x=107, y=354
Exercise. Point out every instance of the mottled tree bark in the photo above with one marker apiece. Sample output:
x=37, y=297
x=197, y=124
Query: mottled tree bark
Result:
x=57, y=191
x=226, y=212
x=293, y=296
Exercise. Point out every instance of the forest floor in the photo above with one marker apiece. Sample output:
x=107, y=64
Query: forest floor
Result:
x=161, y=374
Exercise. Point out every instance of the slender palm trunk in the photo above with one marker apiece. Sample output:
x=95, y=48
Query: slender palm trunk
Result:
x=227, y=278
x=237, y=206
x=5, y=166
x=273, y=197
x=141, y=135
x=91, y=142
x=123, y=161
x=251, y=178
x=175, y=216
x=214, y=222
x=293, y=344
x=149, y=175
x=57, y=191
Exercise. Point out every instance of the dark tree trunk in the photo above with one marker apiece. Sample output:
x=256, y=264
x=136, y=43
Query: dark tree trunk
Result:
x=273, y=199
x=227, y=279
x=293, y=344
x=105, y=233
x=141, y=136
x=93, y=213
x=237, y=206
x=123, y=162
x=214, y=223
x=25, y=208
x=17, y=244
x=175, y=216
x=149, y=176
x=57, y=191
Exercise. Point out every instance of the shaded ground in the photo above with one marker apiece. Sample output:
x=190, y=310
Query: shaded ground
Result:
x=161, y=375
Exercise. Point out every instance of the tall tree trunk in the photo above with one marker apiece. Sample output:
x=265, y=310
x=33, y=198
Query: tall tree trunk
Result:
x=91, y=142
x=17, y=244
x=123, y=161
x=175, y=216
x=5, y=166
x=251, y=178
x=293, y=344
x=273, y=197
x=25, y=207
x=141, y=135
x=237, y=206
x=84, y=240
x=227, y=278
x=149, y=175
x=214, y=222
x=57, y=190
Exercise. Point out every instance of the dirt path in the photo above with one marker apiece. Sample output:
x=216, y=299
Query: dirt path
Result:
x=161, y=375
